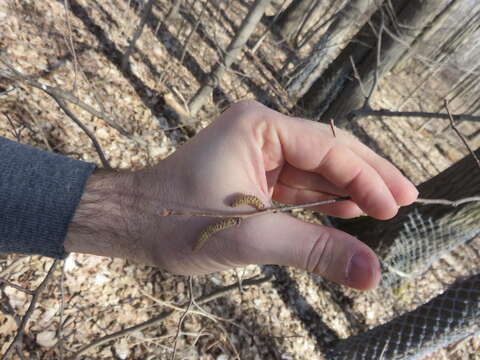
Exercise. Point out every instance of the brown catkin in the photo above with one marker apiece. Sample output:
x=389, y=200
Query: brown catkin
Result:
x=214, y=228
x=251, y=200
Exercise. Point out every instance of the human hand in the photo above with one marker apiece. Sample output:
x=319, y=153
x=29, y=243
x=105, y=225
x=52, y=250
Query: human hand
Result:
x=251, y=150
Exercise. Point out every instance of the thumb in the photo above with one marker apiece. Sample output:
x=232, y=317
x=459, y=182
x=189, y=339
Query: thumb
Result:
x=283, y=240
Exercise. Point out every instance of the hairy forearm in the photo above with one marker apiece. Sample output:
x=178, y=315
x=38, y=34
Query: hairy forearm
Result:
x=105, y=222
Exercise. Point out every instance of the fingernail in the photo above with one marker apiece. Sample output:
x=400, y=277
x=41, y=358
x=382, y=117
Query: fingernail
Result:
x=360, y=270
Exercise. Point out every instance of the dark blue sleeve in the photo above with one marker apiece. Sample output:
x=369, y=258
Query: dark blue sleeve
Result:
x=39, y=192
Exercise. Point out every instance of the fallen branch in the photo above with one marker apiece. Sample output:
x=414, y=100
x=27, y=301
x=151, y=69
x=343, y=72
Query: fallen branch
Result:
x=422, y=114
x=155, y=320
x=18, y=340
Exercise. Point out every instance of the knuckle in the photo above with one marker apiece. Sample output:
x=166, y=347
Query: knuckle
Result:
x=246, y=104
x=245, y=109
x=320, y=254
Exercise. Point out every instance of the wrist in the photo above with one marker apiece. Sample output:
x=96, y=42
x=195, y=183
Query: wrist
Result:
x=103, y=223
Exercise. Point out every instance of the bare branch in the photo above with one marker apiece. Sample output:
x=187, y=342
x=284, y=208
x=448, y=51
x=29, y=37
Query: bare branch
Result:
x=454, y=203
x=147, y=9
x=460, y=135
x=16, y=133
x=184, y=315
x=366, y=104
x=60, y=344
x=232, y=52
x=15, y=286
x=17, y=341
x=190, y=35
x=248, y=214
x=222, y=291
x=70, y=45
x=50, y=90
x=8, y=91
x=77, y=121
x=12, y=266
x=7, y=308
x=357, y=77
x=59, y=96
x=275, y=210
x=20, y=354
x=173, y=10
x=422, y=114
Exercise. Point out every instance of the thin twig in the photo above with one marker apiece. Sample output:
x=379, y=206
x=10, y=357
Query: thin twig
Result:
x=17, y=341
x=190, y=35
x=7, y=91
x=173, y=10
x=92, y=137
x=15, y=286
x=460, y=135
x=184, y=315
x=15, y=133
x=147, y=9
x=454, y=203
x=65, y=95
x=175, y=307
x=421, y=114
x=275, y=210
x=7, y=308
x=214, y=318
x=268, y=29
x=59, y=96
x=356, y=75
x=20, y=354
x=248, y=214
x=11, y=266
x=154, y=321
x=332, y=126
x=70, y=45
x=366, y=104
x=60, y=344
x=239, y=279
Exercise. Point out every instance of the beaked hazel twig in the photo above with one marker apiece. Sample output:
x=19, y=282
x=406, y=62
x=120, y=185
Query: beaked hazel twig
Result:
x=276, y=210
x=230, y=220
x=252, y=213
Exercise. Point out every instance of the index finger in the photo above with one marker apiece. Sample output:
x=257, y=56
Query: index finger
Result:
x=311, y=147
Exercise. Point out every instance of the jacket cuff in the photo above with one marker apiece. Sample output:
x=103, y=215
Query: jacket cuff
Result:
x=39, y=192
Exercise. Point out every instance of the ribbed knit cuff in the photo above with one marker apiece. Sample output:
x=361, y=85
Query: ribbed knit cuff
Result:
x=39, y=192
